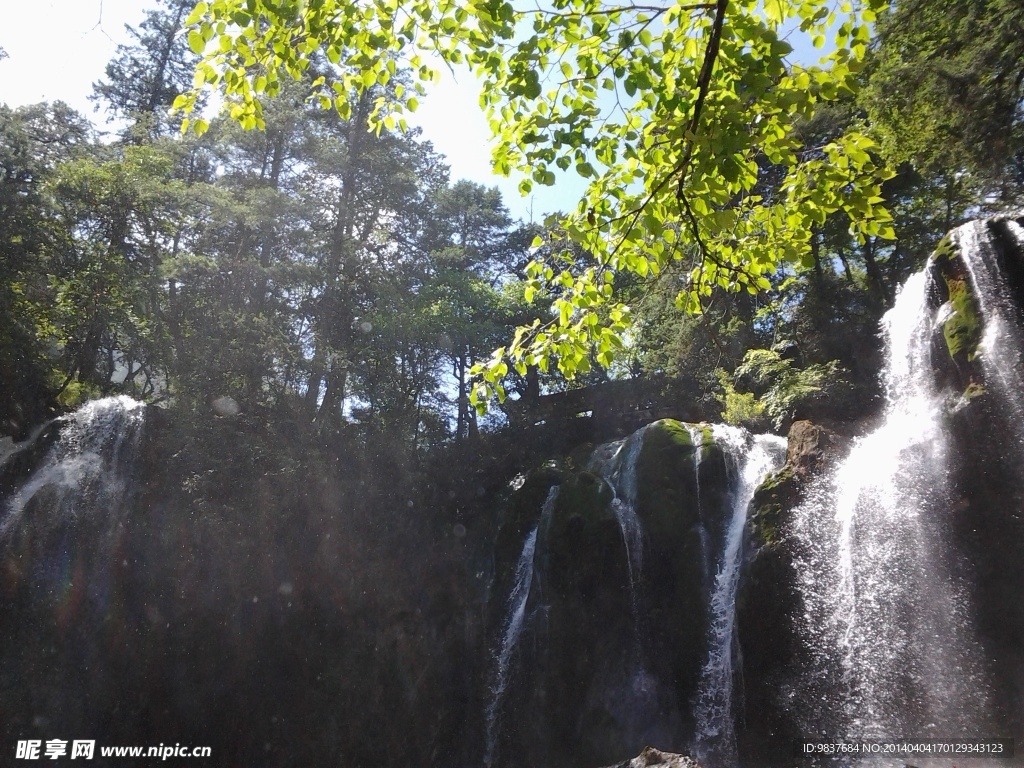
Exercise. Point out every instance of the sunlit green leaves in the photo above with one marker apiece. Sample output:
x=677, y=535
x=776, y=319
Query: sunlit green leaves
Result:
x=671, y=112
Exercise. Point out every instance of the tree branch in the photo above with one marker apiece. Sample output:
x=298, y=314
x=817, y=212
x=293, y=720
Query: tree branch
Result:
x=682, y=167
x=703, y=85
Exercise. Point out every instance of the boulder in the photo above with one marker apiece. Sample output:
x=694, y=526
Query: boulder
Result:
x=650, y=757
x=810, y=448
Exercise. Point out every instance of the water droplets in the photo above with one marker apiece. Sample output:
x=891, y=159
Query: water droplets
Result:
x=883, y=620
x=749, y=460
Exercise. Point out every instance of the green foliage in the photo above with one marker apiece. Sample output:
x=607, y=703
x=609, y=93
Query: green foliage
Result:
x=773, y=497
x=144, y=78
x=326, y=266
x=105, y=267
x=702, y=94
x=313, y=267
x=784, y=386
x=739, y=407
x=34, y=142
x=945, y=90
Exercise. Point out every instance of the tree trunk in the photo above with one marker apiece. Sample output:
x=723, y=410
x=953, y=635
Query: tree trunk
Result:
x=462, y=424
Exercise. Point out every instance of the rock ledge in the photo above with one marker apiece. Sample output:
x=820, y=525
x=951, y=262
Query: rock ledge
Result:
x=653, y=757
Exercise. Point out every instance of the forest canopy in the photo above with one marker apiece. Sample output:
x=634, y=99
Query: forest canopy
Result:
x=677, y=114
x=748, y=220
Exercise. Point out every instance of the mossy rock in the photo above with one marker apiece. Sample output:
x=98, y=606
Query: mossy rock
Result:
x=772, y=501
x=668, y=430
x=582, y=539
x=945, y=251
x=579, y=457
x=681, y=510
x=973, y=390
x=666, y=484
x=584, y=499
x=962, y=328
x=810, y=448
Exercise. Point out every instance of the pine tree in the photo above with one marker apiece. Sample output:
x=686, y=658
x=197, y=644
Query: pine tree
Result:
x=146, y=76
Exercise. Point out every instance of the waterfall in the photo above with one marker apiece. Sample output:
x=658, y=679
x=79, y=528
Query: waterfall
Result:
x=1000, y=350
x=64, y=525
x=616, y=462
x=696, y=433
x=86, y=472
x=884, y=615
x=748, y=460
x=513, y=628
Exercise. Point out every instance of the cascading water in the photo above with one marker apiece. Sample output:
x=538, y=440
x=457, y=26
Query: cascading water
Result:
x=62, y=531
x=86, y=471
x=513, y=628
x=696, y=433
x=884, y=615
x=616, y=462
x=1000, y=350
x=749, y=459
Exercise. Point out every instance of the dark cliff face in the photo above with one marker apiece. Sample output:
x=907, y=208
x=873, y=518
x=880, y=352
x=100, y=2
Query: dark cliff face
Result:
x=286, y=602
x=282, y=604
x=610, y=660
x=988, y=478
x=988, y=522
x=768, y=604
x=986, y=462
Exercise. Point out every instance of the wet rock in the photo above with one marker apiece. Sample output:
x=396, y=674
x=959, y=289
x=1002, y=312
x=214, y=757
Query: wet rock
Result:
x=960, y=316
x=810, y=447
x=612, y=650
x=768, y=601
x=650, y=757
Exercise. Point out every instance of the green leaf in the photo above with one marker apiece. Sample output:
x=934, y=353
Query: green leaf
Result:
x=197, y=13
x=196, y=42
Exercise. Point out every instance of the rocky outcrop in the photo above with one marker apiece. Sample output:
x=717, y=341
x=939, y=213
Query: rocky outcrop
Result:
x=768, y=602
x=810, y=448
x=612, y=653
x=960, y=318
x=987, y=524
x=986, y=428
x=954, y=290
x=653, y=758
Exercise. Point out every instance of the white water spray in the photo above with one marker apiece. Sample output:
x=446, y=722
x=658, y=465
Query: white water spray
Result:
x=880, y=603
x=514, y=624
x=1000, y=349
x=617, y=463
x=696, y=433
x=84, y=471
x=749, y=460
